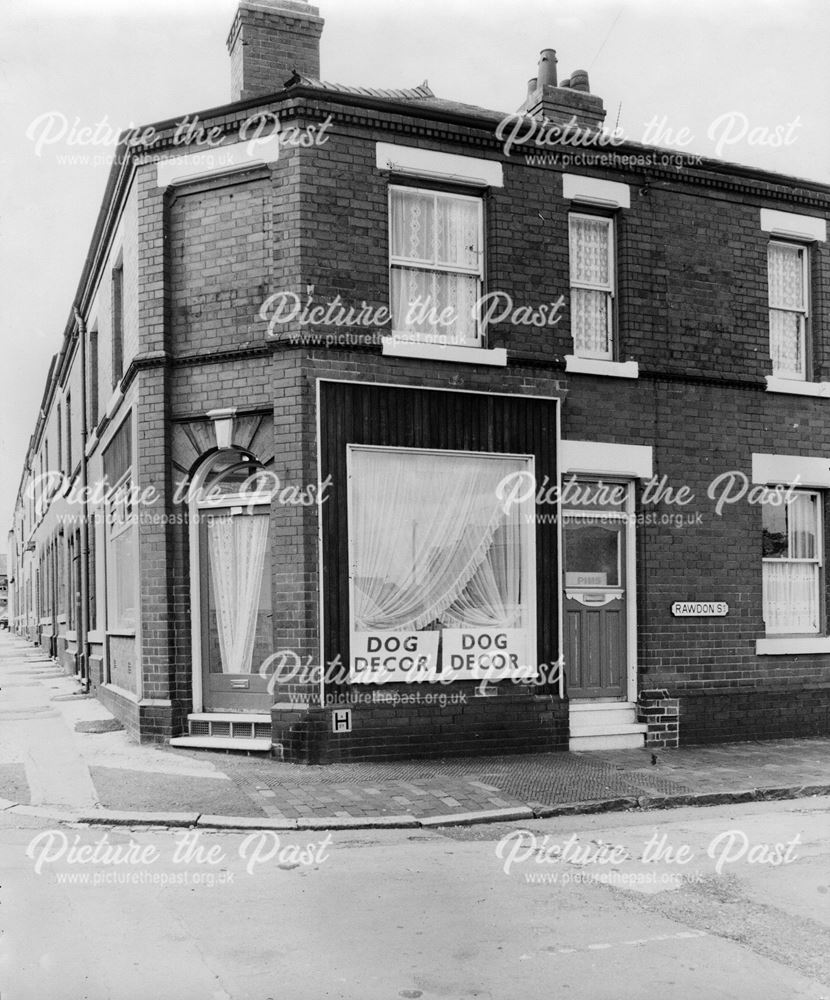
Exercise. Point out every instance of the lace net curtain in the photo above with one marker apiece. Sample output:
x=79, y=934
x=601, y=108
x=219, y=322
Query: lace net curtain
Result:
x=237, y=545
x=791, y=589
x=786, y=299
x=429, y=232
x=431, y=545
x=590, y=307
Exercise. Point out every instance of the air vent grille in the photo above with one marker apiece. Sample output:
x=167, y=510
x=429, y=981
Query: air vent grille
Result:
x=225, y=728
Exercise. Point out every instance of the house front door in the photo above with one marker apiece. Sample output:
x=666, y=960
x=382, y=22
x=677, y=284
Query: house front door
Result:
x=237, y=632
x=596, y=604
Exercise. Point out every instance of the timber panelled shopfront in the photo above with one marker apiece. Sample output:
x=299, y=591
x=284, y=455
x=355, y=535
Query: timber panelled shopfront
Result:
x=439, y=592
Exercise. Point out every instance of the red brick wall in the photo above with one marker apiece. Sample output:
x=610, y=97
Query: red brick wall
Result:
x=692, y=302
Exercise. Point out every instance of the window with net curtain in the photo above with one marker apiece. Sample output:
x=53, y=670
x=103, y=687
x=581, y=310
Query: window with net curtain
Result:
x=430, y=545
x=787, y=272
x=792, y=561
x=121, y=553
x=436, y=266
x=591, y=249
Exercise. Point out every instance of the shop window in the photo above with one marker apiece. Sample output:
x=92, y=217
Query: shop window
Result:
x=436, y=266
x=792, y=565
x=591, y=244
x=435, y=554
x=121, y=551
x=788, y=309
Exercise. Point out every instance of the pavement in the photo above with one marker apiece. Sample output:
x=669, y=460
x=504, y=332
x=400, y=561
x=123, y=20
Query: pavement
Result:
x=64, y=757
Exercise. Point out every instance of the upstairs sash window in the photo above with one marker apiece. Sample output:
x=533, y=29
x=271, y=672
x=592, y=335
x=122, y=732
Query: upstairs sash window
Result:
x=787, y=269
x=436, y=266
x=591, y=241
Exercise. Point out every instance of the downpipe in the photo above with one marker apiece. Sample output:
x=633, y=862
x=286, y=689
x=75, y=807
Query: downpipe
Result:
x=83, y=629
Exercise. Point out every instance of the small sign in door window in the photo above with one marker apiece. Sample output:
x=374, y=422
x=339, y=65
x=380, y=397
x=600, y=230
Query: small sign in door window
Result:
x=592, y=555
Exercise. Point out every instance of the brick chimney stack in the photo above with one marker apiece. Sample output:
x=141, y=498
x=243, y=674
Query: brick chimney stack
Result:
x=269, y=39
x=560, y=102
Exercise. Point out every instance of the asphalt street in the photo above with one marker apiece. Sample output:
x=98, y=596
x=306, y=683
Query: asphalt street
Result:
x=721, y=902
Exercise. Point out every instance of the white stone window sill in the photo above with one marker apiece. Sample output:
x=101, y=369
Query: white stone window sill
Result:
x=783, y=645
x=91, y=442
x=115, y=399
x=596, y=366
x=121, y=692
x=444, y=352
x=794, y=387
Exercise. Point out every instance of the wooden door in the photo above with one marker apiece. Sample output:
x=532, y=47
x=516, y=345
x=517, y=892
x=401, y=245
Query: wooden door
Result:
x=596, y=606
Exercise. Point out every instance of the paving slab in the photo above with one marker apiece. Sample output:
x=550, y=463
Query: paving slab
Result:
x=125, y=789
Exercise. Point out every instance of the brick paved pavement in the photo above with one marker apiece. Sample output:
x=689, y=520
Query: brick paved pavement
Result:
x=425, y=788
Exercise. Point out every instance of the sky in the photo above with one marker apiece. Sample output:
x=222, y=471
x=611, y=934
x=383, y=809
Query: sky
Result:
x=745, y=80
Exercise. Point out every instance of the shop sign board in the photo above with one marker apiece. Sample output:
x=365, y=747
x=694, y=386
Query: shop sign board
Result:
x=486, y=653
x=387, y=657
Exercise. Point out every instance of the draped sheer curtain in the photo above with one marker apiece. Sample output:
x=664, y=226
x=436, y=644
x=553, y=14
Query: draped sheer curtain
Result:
x=792, y=566
x=430, y=544
x=591, y=286
x=787, y=314
x=237, y=546
x=436, y=269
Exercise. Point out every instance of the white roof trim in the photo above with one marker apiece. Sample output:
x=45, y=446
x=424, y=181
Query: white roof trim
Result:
x=594, y=191
x=799, y=227
x=218, y=160
x=604, y=458
x=802, y=470
x=428, y=163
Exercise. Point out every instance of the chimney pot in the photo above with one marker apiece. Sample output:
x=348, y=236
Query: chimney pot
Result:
x=547, y=68
x=532, y=84
x=579, y=81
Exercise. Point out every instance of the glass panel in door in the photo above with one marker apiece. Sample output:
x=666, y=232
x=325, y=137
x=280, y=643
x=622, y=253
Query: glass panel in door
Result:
x=237, y=618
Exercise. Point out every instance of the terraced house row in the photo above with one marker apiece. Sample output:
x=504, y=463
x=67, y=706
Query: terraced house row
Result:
x=370, y=437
